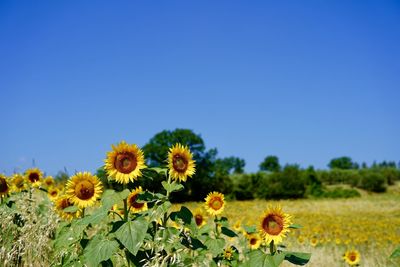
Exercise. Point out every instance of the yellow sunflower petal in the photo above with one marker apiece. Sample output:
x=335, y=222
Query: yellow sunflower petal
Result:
x=83, y=189
x=180, y=163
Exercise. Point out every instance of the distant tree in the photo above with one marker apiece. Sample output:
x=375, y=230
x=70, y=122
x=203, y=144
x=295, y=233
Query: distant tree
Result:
x=230, y=165
x=270, y=163
x=364, y=165
x=344, y=163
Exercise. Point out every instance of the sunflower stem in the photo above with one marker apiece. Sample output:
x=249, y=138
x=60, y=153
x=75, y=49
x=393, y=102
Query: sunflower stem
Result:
x=216, y=227
x=125, y=210
x=272, y=248
x=166, y=213
x=83, y=213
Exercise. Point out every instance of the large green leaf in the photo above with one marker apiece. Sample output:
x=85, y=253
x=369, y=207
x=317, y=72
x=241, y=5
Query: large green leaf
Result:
x=99, y=250
x=94, y=218
x=216, y=246
x=396, y=253
x=172, y=187
x=298, y=258
x=111, y=197
x=132, y=234
x=259, y=258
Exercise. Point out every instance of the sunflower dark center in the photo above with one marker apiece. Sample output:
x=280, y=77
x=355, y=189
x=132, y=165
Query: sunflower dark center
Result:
x=134, y=204
x=352, y=256
x=216, y=203
x=253, y=241
x=3, y=185
x=180, y=163
x=84, y=190
x=33, y=177
x=199, y=219
x=125, y=162
x=65, y=203
x=49, y=182
x=273, y=224
x=53, y=193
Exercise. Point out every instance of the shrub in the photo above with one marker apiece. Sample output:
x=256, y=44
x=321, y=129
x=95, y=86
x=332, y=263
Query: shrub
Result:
x=283, y=185
x=373, y=181
x=340, y=192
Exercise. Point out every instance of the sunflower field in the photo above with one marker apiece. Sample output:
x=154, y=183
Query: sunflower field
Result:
x=91, y=222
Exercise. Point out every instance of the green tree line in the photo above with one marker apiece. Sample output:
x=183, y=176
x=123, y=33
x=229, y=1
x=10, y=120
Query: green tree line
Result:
x=272, y=181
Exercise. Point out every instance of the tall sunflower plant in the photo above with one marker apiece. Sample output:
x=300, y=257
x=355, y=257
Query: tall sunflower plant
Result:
x=127, y=225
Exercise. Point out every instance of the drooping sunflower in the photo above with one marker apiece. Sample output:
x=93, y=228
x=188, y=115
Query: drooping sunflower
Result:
x=53, y=192
x=34, y=176
x=84, y=189
x=63, y=202
x=48, y=181
x=124, y=162
x=4, y=186
x=352, y=257
x=215, y=203
x=133, y=205
x=180, y=163
x=274, y=224
x=18, y=183
x=199, y=217
x=254, y=240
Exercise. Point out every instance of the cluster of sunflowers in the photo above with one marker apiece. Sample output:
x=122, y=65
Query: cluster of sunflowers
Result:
x=103, y=225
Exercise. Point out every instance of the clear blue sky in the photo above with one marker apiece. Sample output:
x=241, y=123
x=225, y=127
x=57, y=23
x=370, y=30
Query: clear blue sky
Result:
x=304, y=80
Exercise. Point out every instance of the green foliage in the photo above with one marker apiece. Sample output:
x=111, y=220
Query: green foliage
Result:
x=270, y=163
x=373, y=181
x=230, y=165
x=290, y=183
x=344, y=163
x=339, y=192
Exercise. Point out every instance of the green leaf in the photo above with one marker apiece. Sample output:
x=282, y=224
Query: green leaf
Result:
x=250, y=229
x=160, y=210
x=94, y=218
x=396, y=253
x=184, y=214
x=259, y=258
x=99, y=250
x=71, y=209
x=149, y=197
x=295, y=226
x=216, y=246
x=298, y=258
x=132, y=234
x=111, y=197
x=159, y=170
x=228, y=232
x=172, y=187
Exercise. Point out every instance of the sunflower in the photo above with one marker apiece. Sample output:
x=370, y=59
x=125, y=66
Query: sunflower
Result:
x=274, y=224
x=18, y=183
x=83, y=189
x=215, y=203
x=64, y=202
x=124, y=163
x=199, y=217
x=254, y=241
x=49, y=181
x=180, y=163
x=34, y=176
x=53, y=192
x=352, y=257
x=228, y=253
x=4, y=186
x=237, y=226
x=314, y=241
x=133, y=205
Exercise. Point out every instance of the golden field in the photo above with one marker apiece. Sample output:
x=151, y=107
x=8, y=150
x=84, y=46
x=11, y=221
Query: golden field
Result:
x=370, y=224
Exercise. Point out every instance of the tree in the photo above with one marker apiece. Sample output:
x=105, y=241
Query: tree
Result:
x=344, y=163
x=270, y=163
x=230, y=165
